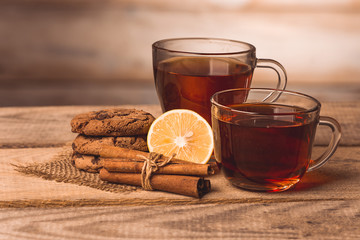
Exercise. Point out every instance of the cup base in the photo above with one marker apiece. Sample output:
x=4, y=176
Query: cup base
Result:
x=264, y=187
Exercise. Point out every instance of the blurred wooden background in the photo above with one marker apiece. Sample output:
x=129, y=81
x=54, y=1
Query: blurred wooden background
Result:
x=55, y=52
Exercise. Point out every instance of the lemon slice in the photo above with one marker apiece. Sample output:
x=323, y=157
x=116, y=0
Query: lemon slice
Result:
x=183, y=132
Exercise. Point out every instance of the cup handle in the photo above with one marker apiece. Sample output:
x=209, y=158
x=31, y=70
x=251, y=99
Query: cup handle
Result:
x=281, y=73
x=335, y=138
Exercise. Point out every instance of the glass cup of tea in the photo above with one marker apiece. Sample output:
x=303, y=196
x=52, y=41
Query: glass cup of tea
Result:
x=188, y=71
x=265, y=144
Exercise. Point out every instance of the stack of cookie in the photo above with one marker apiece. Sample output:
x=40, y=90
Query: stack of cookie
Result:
x=120, y=127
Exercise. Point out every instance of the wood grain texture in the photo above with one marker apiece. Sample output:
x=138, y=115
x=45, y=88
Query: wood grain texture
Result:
x=36, y=130
x=294, y=220
x=337, y=180
x=324, y=205
x=50, y=126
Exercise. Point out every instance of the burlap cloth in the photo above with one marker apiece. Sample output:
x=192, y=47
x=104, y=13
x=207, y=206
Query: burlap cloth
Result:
x=61, y=169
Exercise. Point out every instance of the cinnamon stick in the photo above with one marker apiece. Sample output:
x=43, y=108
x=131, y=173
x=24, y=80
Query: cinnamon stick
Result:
x=126, y=166
x=184, y=185
x=214, y=167
x=118, y=152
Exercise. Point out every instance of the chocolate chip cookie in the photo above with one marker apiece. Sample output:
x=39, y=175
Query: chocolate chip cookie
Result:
x=112, y=122
x=86, y=163
x=92, y=145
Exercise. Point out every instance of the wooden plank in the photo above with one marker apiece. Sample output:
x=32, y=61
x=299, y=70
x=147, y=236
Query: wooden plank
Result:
x=295, y=220
x=136, y=93
x=324, y=205
x=337, y=180
x=67, y=94
x=347, y=114
x=50, y=126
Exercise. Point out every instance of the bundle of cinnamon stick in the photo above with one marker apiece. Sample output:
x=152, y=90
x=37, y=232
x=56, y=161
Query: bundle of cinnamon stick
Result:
x=126, y=166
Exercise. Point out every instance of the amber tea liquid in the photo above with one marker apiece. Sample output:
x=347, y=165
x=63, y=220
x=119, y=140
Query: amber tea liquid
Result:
x=264, y=154
x=189, y=82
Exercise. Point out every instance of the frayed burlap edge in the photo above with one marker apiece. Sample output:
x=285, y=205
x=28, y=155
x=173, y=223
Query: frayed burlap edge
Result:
x=60, y=169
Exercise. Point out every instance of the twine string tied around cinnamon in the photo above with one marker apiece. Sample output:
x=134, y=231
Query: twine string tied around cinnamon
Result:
x=150, y=166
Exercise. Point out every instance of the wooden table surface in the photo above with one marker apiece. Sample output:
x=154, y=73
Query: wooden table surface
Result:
x=324, y=205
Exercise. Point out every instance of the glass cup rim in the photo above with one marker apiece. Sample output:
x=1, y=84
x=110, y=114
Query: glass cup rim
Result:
x=156, y=45
x=313, y=109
